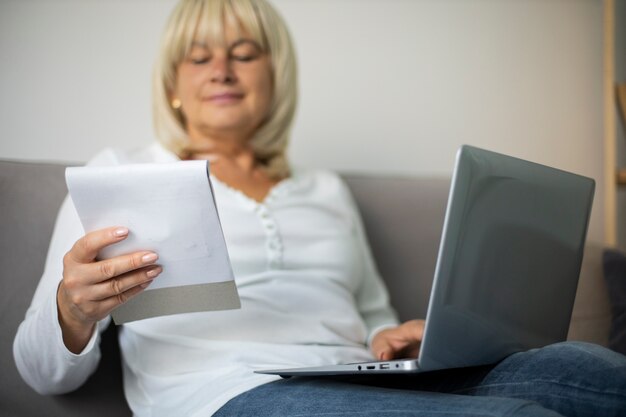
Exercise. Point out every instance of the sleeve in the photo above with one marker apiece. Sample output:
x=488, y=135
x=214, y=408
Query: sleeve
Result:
x=54, y=369
x=372, y=297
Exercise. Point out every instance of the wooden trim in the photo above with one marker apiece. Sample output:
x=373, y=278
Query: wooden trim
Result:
x=610, y=186
x=620, y=91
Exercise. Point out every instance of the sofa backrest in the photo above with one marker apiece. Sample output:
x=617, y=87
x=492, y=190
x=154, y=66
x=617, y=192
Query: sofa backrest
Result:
x=403, y=219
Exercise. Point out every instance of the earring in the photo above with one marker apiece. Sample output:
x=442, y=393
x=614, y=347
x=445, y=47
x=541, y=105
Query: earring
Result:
x=176, y=103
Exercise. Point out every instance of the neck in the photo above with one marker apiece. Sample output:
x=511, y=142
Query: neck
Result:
x=230, y=146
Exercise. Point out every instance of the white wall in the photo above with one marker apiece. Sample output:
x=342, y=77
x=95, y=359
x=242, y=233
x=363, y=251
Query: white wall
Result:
x=391, y=86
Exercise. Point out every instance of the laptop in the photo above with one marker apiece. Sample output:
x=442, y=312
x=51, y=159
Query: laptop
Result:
x=507, y=270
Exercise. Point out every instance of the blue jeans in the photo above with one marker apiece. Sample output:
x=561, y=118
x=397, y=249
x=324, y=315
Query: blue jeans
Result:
x=565, y=379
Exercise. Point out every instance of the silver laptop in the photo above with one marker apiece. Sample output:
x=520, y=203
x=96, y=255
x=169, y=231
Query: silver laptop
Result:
x=507, y=270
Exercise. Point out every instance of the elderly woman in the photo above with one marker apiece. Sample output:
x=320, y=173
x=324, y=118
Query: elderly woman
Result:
x=225, y=90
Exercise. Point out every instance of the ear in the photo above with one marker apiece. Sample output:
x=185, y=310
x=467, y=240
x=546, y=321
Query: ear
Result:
x=173, y=99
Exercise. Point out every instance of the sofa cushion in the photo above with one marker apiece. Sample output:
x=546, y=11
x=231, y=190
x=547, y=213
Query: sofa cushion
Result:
x=615, y=275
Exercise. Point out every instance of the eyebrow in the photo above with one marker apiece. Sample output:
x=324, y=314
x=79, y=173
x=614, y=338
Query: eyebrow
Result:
x=199, y=44
x=243, y=41
x=233, y=45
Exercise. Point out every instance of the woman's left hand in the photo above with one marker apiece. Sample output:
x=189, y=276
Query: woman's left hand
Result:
x=399, y=342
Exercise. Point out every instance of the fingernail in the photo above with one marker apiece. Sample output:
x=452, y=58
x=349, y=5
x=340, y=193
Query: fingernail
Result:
x=120, y=231
x=149, y=257
x=154, y=272
x=145, y=284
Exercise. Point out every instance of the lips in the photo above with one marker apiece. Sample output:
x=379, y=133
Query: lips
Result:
x=226, y=97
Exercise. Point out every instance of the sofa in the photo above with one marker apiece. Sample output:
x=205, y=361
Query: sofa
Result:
x=403, y=219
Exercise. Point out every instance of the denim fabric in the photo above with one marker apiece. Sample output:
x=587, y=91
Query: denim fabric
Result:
x=565, y=379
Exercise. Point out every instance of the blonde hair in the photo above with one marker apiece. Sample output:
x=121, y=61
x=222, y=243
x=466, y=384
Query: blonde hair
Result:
x=206, y=19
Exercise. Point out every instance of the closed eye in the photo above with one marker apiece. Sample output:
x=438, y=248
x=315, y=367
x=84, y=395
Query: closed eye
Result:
x=199, y=61
x=245, y=50
x=244, y=58
x=199, y=54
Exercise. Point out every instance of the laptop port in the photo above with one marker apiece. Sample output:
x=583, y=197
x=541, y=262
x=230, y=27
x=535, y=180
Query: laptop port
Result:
x=383, y=366
x=371, y=366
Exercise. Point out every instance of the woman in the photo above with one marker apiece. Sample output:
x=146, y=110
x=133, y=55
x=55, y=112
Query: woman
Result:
x=225, y=90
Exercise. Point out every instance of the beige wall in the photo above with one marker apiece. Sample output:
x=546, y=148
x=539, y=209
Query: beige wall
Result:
x=391, y=86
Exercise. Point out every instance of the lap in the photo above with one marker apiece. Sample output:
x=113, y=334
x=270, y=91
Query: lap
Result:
x=579, y=379
x=575, y=379
x=331, y=398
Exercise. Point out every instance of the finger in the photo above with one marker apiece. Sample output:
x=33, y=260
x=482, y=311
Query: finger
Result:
x=418, y=329
x=394, y=345
x=412, y=330
x=123, y=283
x=381, y=349
x=398, y=348
x=110, y=303
x=386, y=355
x=119, y=265
x=86, y=248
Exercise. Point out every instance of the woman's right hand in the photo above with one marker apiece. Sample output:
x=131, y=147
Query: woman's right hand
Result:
x=91, y=288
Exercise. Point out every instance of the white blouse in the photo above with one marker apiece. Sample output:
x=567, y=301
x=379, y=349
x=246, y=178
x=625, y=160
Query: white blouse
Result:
x=309, y=290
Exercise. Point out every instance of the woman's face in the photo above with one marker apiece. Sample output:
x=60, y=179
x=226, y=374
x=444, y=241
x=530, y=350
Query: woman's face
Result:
x=225, y=91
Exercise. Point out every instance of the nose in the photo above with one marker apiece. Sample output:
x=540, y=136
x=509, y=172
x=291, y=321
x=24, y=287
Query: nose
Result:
x=221, y=70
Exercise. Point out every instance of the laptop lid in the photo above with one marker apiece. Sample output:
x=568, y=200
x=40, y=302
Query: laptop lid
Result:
x=509, y=260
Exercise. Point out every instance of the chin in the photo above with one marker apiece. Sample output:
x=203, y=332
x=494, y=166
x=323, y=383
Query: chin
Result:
x=230, y=123
x=233, y=125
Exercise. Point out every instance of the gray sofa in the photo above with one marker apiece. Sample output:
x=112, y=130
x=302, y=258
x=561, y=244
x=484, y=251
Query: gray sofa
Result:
x=403, y=218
